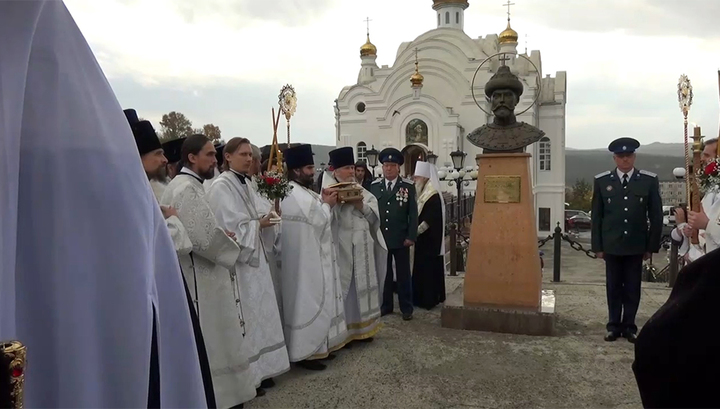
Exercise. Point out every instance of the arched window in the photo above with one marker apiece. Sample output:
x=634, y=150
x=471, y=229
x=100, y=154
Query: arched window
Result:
x=438, y=19
x=447, y=17
x=544, y=153
x=361, y=149
x=457, y=18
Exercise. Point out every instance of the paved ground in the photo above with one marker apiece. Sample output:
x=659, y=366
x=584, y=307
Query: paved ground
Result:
x=418, y=364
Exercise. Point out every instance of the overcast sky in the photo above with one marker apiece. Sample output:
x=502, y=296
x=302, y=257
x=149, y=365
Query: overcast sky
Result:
x=224, y=61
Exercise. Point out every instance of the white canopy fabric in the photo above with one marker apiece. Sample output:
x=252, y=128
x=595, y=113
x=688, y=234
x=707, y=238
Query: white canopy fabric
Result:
x=428, y=170
x=84, y=251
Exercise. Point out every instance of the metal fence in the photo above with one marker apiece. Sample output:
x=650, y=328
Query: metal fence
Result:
x=455, y=213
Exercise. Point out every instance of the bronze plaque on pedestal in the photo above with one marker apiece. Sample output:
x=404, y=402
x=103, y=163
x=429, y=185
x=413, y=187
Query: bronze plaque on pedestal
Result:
x=502, y=189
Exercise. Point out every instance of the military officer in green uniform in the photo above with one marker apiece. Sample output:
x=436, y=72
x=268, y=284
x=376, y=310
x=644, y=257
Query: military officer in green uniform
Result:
x=624, y=200
x=398, y=221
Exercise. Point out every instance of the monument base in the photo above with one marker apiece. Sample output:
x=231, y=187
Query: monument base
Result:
x=510, y=320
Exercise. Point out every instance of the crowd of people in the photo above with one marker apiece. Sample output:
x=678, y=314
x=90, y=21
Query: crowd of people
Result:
x=291, y=280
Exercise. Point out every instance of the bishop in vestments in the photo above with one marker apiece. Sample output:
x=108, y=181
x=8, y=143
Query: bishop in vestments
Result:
x=210, y=273
x=311, y=290
x=361, y=251
x=234, y=202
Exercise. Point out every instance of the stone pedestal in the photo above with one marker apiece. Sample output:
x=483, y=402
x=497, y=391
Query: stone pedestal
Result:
x=502, y=291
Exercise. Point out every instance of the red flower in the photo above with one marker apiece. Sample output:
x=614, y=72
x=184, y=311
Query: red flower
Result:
x=711, y=169
x=17, y=372
x=272, y=181
x=331, y=169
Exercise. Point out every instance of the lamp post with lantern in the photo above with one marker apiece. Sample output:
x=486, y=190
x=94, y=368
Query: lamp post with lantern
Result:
x=372, y=159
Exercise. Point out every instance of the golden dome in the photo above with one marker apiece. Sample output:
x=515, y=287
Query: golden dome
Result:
x=439, y=3
x=508, y=35
x=417, y=79
x=368, y=49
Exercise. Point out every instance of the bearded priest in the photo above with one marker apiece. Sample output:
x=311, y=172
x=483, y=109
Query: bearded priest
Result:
x=235, y=203
x=311, y=291
x=210, y=272
x=361, y=251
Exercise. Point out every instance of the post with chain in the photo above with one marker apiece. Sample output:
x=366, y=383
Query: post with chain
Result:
x=556, y=253
x=453, y=249
x=673, y=263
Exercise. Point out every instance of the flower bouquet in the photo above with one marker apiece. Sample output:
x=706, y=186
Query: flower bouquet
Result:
x=709, y=177
x=275, y=187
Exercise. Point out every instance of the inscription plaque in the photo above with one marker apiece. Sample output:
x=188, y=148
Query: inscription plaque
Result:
x=502, y=189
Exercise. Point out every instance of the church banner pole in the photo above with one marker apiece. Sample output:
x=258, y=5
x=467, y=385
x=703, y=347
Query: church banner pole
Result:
x=288, y=105
x=685, y=100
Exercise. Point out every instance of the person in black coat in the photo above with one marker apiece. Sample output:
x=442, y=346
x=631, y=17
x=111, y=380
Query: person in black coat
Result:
x=429, y=252
x=677, y=358
x=362, y=175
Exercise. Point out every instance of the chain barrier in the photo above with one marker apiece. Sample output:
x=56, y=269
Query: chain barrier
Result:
x=578, y=247
x=541, y=242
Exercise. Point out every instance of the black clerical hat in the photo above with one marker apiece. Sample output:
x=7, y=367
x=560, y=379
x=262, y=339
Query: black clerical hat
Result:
x=341, y=157
x=623, y=145
x=391, y=155
x=132, y=116
x=299, y=156
x=172, y=149
x=219, y=149
x=145, y=137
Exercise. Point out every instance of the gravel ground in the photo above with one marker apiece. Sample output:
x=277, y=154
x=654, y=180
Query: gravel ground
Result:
x=420, y=364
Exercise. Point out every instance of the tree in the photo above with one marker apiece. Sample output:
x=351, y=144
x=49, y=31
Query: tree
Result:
x=580, y=197
x=212, y=132
x=175, y=125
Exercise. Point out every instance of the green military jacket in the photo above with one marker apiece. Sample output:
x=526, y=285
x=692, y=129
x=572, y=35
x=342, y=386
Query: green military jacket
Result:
x=620, y=216
x=398, y=211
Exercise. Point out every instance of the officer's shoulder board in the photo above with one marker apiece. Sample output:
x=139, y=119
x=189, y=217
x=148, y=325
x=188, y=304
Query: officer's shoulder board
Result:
x=408, y=181
x=376, y=181
x=599, y=175
x=647, y=173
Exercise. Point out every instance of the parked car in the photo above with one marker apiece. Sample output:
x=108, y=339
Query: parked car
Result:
x=570, y=213
x=580, y=222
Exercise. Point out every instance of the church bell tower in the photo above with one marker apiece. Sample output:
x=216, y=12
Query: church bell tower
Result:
x=450, y=13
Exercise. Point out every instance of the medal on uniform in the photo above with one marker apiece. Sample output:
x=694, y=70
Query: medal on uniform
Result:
x=641, y=200
x=609, y=188
x=608, y=200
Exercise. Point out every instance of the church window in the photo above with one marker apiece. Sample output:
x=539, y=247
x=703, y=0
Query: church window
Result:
x=438, y=19
x=447, y=17
x=360, y=107
x=544, y=219
x=457, y=18
x=361, y=149
x=544, y=154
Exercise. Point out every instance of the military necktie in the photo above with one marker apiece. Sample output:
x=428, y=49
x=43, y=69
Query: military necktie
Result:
x=389, y=186
x=625, y=180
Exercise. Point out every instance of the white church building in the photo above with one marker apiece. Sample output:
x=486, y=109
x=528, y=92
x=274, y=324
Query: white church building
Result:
x=424, y=103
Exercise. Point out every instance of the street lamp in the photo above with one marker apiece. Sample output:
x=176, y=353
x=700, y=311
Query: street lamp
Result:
x=432, y=158
x=679, y=173
x=458, y=159
x=372, y=159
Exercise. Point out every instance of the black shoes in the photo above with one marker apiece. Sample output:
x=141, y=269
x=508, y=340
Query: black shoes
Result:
x=267, y=383
x=407, y=317
x=259, y=392
x=631, y=338
x=611, y=336
x=312, y=365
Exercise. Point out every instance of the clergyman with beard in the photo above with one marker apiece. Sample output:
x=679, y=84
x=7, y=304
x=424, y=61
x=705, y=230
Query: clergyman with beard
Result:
x=505, y=134
x=361, y=251
x=310, y=284
x=209, y=271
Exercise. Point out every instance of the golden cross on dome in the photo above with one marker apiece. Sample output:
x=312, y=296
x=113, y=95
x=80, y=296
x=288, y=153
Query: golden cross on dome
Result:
x=367, y=22
x=416, y=57
x=508, y=4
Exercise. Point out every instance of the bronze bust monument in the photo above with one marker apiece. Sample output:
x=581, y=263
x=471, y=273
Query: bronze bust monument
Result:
x=505, y=134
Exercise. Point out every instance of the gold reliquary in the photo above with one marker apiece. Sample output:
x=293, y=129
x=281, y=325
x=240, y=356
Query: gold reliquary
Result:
x=348, y=192
x=12, y=379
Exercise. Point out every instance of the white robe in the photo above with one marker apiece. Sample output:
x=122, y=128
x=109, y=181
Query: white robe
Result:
x=271, y=240
x=178, y=234
x=710, y=237
x=311, y=292
x=84, y=259
x=235, y=208
x=362, y=262
x=215, y=291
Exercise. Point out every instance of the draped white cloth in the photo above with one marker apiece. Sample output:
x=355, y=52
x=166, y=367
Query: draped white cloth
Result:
x=710, y=237
x=178, y=234
x=271, y=240
x=236, y=210
x=362, y=262
x=210, y=274
x=311, y=291
x=84, y=259
x=428, y=170
x=158, y=188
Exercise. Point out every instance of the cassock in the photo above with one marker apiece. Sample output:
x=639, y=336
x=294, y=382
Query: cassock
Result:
x=362, y=262
x=88, y=274
x=234, y=203
x=210, y=274
x=676, y=354
x=429, y=249
x=311, y=291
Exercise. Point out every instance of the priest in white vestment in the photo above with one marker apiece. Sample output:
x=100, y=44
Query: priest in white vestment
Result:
x=235, y=204
x=311, y=291
x=210, y=274
x=89, y=279
x=218, y=169
x=361, y=251
x=706, y=220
